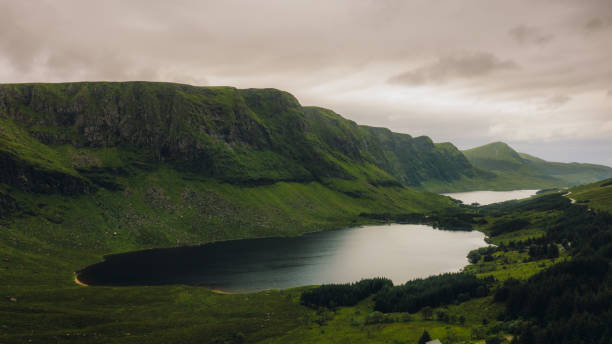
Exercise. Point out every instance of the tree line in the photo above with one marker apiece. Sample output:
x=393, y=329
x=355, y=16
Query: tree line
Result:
x=347, y=294
x=410, y=297
x=570, y=302
x=433, y=291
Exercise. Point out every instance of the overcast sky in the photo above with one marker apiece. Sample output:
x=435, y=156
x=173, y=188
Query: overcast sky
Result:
x=536, y=74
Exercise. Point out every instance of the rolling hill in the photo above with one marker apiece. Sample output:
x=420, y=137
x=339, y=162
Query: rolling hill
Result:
x=519, y=170
x=595, y=195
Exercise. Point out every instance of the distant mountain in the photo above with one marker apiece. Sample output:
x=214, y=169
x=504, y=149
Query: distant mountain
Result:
x=573, y=173
x=512, y=168
x=496, y=156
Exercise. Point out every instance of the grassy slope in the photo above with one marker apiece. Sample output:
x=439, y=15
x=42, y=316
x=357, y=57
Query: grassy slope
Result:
x=143, y=201
x=410, y=161
x=50, y=307
x=516, y=264
x=239, y=136
x=39, y=255
x=596, y=195
x=511, y=170
x=66, y=233
x=347, y=325
x=127, y=197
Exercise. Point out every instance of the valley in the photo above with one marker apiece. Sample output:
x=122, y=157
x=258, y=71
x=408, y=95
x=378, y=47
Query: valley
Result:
x=91, y=169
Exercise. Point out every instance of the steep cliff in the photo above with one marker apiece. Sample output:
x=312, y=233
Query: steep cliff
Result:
x=253, y=136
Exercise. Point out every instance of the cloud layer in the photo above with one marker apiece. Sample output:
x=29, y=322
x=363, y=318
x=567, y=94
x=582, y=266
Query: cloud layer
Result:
x=533, y=73
x=448, y=68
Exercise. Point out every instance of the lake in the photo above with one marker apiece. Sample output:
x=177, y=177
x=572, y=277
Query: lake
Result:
x=399, y=252
x=488, y=197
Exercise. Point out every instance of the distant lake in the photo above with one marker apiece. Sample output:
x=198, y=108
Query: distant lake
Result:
x=398, y=252
x=488, y=197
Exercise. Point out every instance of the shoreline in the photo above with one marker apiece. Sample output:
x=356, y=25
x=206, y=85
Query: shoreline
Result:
x=216, y=291
x=77, y=281
x=220, y=292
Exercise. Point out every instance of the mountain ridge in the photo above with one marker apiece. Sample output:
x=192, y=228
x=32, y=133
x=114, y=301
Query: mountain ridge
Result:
x=238, y=136
x=166, y=164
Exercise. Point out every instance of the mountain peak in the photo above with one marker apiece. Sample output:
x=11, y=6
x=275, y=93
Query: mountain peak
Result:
x=498, y=151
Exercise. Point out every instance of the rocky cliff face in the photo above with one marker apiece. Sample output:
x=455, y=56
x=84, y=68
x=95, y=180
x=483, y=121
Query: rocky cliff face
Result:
x=29, y=178
x=415, y=160
x=239, y=136
x=171, y=121
x=410, y=160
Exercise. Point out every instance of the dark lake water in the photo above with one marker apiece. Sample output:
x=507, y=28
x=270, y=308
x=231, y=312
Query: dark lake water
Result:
x=398, y=252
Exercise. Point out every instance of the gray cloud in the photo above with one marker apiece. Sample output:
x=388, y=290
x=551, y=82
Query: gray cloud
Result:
x=454, y=67
x=559, y=99
x=597, y=24
x=555, y=102
x=530, y=34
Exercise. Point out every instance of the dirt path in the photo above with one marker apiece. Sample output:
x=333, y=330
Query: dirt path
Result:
x=571, y=199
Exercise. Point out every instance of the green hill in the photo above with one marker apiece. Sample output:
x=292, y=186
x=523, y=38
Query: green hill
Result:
x=164, y=163
x=496, y=156
x=249, y=136
x=518, y=170
x=90, y=169
x=595, y=195
x=572, y=173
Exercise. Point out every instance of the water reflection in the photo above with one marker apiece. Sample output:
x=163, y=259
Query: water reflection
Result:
x=488, y=197
x=399, y=252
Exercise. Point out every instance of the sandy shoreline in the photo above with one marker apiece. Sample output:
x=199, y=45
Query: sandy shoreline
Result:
x=219, y=291
x=76, y=280
x=216, y=291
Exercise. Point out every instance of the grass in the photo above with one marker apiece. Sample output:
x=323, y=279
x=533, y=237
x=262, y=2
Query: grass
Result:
x=516, y=263
x=39, y=256
x=538, y=222
x=270, y=170
x=512, y=264
x=166, y=314
x=483, y=180
x=16, y=142
x=52, y=235
x=348, y=325
x=596, y=195
x=142, y=200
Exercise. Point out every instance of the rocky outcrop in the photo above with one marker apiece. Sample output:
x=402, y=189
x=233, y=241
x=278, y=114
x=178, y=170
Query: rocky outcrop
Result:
x=28, y=178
